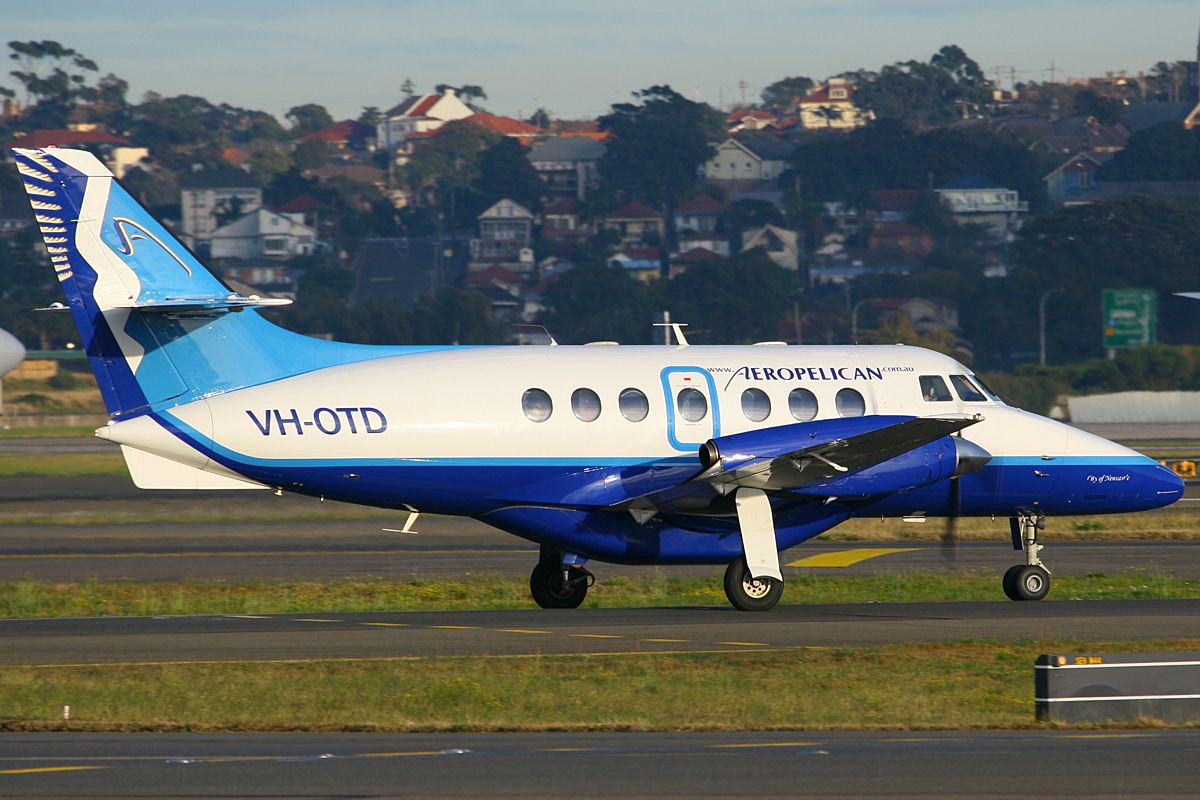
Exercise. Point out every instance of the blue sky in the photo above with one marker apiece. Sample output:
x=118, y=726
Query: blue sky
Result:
x=575, y=58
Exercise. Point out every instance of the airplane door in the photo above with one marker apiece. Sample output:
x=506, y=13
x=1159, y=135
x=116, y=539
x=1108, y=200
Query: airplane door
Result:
x=693, y=416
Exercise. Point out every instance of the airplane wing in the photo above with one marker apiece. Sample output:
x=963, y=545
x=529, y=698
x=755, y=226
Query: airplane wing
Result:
x=794, y=457
x=808, y=465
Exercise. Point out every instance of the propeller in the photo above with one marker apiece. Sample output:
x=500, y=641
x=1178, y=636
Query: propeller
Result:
x=970, y=457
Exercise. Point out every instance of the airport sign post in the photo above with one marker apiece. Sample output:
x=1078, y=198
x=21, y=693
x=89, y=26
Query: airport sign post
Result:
x=1130, y=317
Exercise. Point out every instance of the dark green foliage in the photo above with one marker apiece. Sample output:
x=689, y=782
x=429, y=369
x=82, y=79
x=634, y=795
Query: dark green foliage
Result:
x=594, y=302
x=786, y=91
x=920, y=93
x=657, y=146
x=505, y=172
x=308, y=118
x=1106, y=110
x=1166, y=152
x=1136, y=242
x=739, y=301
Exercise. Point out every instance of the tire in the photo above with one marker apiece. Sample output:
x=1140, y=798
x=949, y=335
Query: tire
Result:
x=750, y=594
x=1027, y=583
x=1010, y=589
x=545, y=584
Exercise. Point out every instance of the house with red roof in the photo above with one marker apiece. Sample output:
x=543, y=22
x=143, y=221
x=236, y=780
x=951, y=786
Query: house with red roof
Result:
x=119, y=153
x=681, y=262
x=902, y=236
x=636, y=224
x=343, y=136
x=749, y=119
x=419, y=113
x=561, y=220
x=507, y=126
x=830, y=106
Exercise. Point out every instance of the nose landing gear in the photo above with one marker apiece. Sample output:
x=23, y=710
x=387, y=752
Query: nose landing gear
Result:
x=1031, y=580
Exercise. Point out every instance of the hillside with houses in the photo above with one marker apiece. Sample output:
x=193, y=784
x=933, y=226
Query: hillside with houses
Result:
x=915, y=203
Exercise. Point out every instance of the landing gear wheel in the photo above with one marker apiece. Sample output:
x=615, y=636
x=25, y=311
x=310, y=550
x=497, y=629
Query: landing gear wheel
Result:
x=1025, y=582
x=750, y=594
x=553, y=586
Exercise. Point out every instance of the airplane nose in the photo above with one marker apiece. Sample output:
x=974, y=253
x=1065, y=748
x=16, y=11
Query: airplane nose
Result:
x=1164, y=486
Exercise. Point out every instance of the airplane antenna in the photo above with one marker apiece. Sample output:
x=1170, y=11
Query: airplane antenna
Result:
x=677, y=328
x=541, y=328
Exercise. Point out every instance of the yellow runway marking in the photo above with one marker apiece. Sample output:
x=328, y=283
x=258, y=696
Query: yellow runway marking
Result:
x=664, y=641
x=745, y=644
x=386, y=624
x=518, y=630
x=306, y=619
x=455, y=627
x=847, y=558
x=764, y=744
x=913, y=739
x=33, y=770
x=595, y=636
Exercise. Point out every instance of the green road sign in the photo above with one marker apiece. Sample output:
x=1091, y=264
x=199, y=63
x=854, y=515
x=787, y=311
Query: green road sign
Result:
x=1130, y=317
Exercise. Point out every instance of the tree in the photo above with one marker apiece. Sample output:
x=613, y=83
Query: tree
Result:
x=738, y=301
x=444, y=168
x=1136, y=241
x=783, y=93
x=594, y=302
x=308, y=118
x=312, y=154
x=1106, y=110
x=657, y=146
x=371, y=115
x=466, y=93
x=1165, y=152
x=504, y=171
x=54, y=78
x=541, y=118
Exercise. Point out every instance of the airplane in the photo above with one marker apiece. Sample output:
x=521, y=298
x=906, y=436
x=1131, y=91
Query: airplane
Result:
x=12, y=352
x=667, y=454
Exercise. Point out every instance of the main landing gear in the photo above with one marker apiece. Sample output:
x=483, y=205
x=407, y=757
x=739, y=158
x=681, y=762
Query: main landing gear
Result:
x=557, y=582
x=748, y=593
x=1031, y=580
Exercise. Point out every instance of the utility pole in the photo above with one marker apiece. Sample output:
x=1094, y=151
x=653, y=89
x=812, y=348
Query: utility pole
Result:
x=743, y=86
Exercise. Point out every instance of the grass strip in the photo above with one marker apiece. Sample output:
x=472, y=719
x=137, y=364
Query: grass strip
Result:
x=62, y=465
x=136, y=598
x=943, y=686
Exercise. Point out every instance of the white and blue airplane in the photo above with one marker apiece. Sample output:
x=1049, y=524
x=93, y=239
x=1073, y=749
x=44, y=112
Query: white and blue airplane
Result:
x=636, y=455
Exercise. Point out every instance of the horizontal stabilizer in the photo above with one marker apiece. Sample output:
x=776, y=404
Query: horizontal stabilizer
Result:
x=151, y=471
x=202, y=305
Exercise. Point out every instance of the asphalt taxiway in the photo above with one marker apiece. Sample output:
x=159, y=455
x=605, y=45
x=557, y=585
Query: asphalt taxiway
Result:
x=415, y=634
x=815, y=764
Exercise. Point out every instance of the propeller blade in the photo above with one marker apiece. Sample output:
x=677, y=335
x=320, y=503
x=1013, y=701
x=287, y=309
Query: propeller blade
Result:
x=950, y=532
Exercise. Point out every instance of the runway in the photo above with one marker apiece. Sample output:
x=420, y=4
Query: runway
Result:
x=815, y=764
x=296, y=637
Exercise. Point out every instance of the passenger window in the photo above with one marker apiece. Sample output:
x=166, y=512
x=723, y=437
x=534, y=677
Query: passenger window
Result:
x=691, y=404
x=756, y=405
x=967, y=390
x=803, y=404
x=850, y=403
x=585, y=404
x=634, y=405
x=536, y=405
x=933, y=389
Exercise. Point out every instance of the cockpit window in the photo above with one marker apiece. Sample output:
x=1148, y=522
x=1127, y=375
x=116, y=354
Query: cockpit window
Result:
x=986, y=389
x=967, y=390
x=933, y=389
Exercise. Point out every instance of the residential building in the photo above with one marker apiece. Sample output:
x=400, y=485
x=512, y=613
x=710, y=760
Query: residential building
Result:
x=419, y=114
x=212, y=197
x=780, y=245
x=902, y=236
x=569, y=165
x=636, y=224
x=699, y=224
x=561, y=220
x=344, y=137
x=894, y=205
x=1075, y=177
x=523, y=132
x=356, y=173
x=643, y=263
x=830, y=106
x=978, y=200
x=15, y=213
x=261, y=277
x=749, y=119
x=263, y=233
x=505, y=232
x=748, y=160
x=682, y=262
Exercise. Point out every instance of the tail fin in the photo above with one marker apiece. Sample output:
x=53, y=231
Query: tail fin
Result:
x=158, y=327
